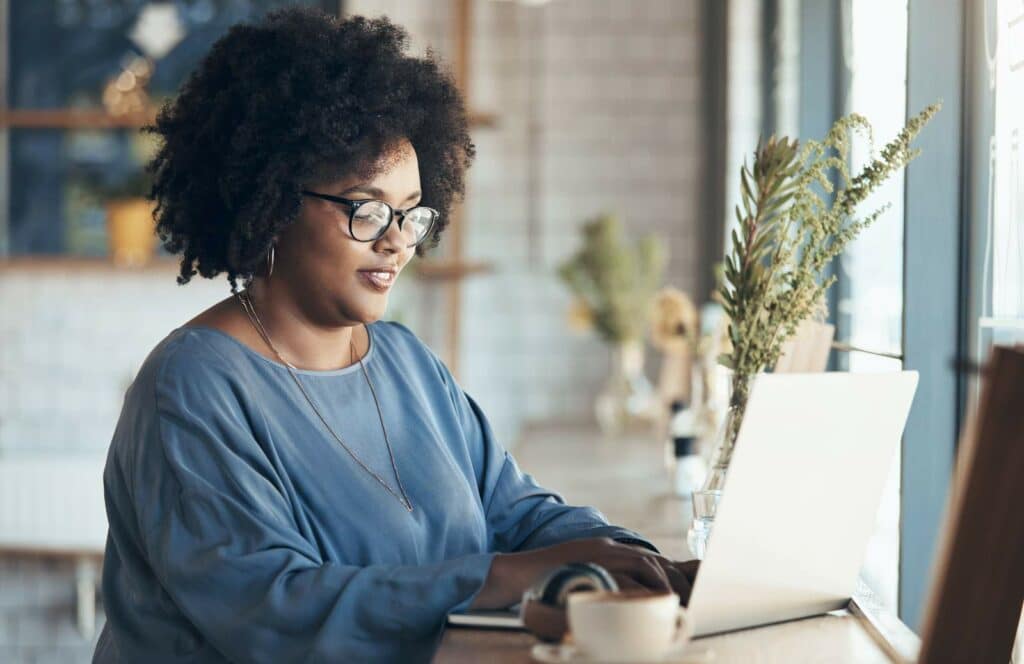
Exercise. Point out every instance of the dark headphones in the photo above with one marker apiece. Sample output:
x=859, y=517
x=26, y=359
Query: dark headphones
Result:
x=543, y=610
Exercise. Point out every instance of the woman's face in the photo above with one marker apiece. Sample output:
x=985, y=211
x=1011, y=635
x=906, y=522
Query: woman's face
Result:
x=333, y=278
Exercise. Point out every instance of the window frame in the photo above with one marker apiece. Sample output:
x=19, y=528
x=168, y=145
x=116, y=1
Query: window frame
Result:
x=944, y=195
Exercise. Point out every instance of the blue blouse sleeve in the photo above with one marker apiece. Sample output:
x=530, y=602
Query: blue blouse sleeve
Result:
x=218, y=521
x=521, y=514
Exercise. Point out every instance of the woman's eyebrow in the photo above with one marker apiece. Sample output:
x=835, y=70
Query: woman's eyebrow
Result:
x=376, y=192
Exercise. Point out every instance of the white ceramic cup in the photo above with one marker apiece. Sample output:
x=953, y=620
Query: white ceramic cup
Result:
x=627, y=626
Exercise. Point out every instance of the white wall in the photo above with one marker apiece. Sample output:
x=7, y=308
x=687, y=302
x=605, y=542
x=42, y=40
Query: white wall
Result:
x=71, y=341
x=614, y=102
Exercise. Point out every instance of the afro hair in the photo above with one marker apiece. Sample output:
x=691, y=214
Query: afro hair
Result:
x=297, y=98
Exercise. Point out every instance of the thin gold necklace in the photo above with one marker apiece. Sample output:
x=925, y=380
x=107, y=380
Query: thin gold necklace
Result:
x=246, y=301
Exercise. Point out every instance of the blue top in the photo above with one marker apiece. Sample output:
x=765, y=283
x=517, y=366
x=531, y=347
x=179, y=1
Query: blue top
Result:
x=240, y=530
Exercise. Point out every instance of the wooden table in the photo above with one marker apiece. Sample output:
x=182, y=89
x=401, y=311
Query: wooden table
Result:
x=581, y=465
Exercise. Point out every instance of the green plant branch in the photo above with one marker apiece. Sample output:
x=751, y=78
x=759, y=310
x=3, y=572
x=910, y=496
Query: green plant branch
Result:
x=796, y=214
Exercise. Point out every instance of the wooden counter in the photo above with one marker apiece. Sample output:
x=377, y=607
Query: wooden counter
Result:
x=626, y=480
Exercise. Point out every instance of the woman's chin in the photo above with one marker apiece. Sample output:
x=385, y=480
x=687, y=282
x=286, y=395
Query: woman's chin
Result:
x=370, y=312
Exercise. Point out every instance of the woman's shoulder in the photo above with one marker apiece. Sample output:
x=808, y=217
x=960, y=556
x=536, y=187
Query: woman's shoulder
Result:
x=183, y=379
x=397, y=335
x=189, y=361
x=406, y=347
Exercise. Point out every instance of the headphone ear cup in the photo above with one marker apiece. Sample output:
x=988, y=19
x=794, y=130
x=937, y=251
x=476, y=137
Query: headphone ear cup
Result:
x=554, y=589
x=543, y=609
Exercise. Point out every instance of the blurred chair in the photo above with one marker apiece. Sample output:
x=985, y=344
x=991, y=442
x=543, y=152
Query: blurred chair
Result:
x=807, y=350
x=975, y=602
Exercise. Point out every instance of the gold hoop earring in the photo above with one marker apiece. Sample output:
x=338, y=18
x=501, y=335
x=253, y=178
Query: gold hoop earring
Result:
x=270, y=261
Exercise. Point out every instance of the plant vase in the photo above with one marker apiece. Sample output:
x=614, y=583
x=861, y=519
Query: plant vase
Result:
x=705, y=501
x=724, y=442
x=131, y=231
x=626, y=400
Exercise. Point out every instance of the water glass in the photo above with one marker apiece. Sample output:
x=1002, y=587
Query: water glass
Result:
x=705, y=504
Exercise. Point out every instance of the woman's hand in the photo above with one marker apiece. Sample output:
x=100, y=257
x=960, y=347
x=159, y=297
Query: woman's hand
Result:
x=632, y=567
x=681, y=573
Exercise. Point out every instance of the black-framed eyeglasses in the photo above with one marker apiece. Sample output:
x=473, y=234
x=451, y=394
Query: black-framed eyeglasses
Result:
x=369, y=220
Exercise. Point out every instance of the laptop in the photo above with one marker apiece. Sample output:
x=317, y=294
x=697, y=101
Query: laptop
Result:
x=801, y=497
x=802, y=494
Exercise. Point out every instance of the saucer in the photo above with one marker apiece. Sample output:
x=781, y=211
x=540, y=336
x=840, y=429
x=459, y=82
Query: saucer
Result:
x=567, y=652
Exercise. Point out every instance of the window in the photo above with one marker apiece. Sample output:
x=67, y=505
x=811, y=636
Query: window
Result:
x=870, y=307
x=65, y=55
x=999, y=274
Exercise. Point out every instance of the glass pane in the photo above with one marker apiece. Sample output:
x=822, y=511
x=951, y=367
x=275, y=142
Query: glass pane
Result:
x=871, y=270
x=998, y=278
x=1002, y=270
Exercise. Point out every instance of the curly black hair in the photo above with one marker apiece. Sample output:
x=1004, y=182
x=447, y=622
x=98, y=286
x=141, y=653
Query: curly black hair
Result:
x=299, y=97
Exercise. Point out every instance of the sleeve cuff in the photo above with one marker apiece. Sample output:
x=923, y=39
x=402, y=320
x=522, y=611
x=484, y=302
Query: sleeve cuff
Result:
x=616, y=533
x=636, y=540
x=471, y=575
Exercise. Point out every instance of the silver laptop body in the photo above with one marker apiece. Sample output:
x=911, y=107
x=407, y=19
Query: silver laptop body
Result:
x=801, y=497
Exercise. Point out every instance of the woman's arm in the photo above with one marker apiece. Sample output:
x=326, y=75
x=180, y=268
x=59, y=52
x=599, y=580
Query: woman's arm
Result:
x=533, y=530
x=530, y=527
x=259, y=593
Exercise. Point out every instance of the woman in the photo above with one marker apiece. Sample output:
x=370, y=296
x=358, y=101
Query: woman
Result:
x=292, y=479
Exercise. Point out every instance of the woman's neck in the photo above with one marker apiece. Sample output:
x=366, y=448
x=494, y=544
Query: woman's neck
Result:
x=297, y=335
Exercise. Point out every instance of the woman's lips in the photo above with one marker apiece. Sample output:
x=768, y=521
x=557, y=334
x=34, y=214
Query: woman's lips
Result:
x=379, y=281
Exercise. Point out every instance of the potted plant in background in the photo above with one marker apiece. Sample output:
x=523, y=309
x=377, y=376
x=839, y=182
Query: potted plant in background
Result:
x=131, y=229
x=120, y=188
x=797, y=213
x=614, y=283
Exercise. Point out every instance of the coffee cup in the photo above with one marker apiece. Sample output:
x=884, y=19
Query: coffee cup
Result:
x=627, y=626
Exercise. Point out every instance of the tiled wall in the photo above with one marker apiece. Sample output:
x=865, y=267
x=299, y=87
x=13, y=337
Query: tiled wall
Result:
x=71, y=342
x=598, y=98
x=37, y=613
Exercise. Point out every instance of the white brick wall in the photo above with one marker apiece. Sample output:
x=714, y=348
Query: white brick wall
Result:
x=71, y=342
x=617, y=107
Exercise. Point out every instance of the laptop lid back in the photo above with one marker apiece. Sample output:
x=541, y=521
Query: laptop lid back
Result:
x=801, y=497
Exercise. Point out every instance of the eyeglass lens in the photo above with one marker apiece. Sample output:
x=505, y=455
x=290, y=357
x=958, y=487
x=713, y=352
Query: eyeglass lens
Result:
x=370, y=218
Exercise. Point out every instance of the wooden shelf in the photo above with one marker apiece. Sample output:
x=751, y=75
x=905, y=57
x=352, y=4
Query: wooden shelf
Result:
x=72, y=119
x=483, y=120
x=58, y=263
x=449, y=270
x=69, y=118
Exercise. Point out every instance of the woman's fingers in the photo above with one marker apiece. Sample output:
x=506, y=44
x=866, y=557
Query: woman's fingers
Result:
x=660, y=573
x=643, y=569
x=689, y=568
x=627, y=583
x=681, y=585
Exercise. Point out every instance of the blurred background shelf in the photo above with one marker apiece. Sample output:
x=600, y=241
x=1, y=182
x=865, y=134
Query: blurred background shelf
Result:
x=70, y=118
x=448, y=270
x=67, y=118
x=57, y=263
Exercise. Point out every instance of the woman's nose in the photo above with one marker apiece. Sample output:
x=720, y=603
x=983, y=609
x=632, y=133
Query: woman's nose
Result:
x=393, y=239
